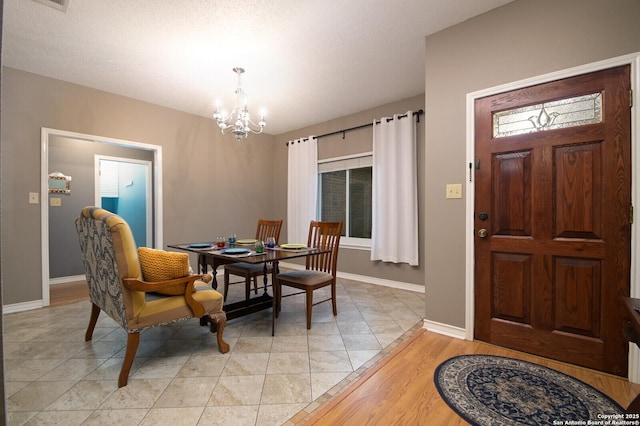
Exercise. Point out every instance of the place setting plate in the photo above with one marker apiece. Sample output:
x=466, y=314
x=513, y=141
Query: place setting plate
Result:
x=235, y=250
x=247, y=241
x=200, y=245
x=293, y=246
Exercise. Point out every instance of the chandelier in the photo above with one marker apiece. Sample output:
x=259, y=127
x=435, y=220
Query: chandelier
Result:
x=238, y=121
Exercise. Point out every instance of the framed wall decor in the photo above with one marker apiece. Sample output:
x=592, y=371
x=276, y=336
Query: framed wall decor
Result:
x=59, y=183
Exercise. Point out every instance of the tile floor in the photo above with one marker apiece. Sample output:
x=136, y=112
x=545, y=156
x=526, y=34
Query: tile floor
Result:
x=179, y=377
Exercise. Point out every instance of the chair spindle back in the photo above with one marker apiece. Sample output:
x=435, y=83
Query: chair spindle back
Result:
x=326, y=236
x=268, y=228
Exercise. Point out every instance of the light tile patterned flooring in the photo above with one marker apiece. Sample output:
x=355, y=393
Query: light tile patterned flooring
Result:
x=180, y=378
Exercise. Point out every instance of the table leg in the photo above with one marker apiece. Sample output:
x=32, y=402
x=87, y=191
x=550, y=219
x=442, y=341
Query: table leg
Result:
x=214, y=273
x=214, y=281
x=274, y=268
x=266, y=278
x=202, y=264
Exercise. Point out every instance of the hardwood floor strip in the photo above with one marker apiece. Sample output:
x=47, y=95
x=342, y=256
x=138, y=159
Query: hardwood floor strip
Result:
x=325, y=409
x=61, y=294
x=400, y=390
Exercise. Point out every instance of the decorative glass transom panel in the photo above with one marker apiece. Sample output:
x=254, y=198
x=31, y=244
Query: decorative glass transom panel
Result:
x=569, y=112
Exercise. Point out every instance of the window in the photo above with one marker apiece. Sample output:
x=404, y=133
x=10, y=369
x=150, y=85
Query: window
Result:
x=344, y=194
x=568, y=112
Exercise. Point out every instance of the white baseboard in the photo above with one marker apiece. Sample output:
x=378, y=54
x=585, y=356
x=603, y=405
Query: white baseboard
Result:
x=365, y=279
x=383, y=282
x=22, y=306
x=37, y=304
x=25, y=306
x=64, y=280
x=445, y=329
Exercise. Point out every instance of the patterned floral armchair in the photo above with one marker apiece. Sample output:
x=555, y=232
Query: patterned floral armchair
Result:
x=116, y=286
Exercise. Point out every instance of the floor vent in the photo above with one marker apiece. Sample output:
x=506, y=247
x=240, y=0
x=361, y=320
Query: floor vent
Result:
x=60, y=5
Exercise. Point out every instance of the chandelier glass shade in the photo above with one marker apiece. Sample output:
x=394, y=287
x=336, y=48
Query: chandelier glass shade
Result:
x=238, y=121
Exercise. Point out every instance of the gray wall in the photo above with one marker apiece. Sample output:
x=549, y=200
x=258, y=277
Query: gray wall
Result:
x=75, y=158
x=356, y=261
x=211, y=183
x=523, y=39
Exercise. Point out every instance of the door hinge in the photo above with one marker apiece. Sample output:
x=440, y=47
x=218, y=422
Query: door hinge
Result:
x=631, y=214
x=630, y=98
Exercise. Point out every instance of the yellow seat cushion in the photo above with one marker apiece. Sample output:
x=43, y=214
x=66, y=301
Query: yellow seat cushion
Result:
x=168, y=309
x=160, y=265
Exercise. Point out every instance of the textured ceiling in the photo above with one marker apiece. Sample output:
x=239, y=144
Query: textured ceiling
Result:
x=306, y=61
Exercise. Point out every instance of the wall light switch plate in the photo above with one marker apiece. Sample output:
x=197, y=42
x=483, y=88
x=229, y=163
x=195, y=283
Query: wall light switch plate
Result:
x=454, y=190
x=55, y=202
x=33, y=198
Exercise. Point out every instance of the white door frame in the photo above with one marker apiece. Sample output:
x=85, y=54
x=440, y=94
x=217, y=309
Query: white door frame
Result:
x=148, y=198
x=44, y=190
x=631, y=59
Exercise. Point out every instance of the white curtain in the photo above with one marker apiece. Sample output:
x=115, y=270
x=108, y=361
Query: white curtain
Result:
x=394, y=234
x=302, y=192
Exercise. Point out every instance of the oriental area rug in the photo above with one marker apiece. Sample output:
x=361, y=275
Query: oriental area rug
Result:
x=495, y=390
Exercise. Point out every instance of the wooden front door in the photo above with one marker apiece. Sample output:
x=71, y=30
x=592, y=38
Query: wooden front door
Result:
x=552, y=219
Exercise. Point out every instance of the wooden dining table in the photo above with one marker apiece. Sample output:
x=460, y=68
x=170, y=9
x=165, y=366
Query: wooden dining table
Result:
x=210, y=255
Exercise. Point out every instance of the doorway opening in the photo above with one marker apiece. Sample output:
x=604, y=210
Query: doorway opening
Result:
x=123, y=186
x=74, y=154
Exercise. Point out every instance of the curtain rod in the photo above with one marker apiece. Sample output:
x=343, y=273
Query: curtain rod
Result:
x=362, y=126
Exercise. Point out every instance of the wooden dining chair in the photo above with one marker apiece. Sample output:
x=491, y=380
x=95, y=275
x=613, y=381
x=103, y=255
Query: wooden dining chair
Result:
x=320, y=269
x=266, y=228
